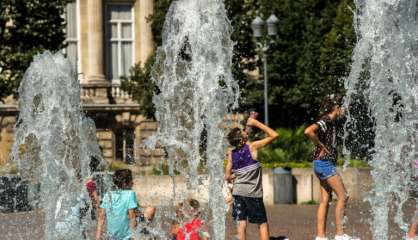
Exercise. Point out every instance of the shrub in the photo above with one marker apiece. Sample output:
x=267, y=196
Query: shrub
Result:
x=291, y=146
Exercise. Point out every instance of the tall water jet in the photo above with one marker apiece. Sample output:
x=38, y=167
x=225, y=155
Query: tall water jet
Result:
x=196, y=91
x=385, y=70
x=53, y=142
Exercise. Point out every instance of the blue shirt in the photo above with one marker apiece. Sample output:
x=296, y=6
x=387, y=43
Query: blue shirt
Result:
x=117, y=203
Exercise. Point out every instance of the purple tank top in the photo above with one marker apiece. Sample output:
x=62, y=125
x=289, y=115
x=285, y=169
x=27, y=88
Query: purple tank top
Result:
x=248, y=173
x=242, y=158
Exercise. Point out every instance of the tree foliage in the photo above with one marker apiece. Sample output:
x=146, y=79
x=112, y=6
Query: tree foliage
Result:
x=140, y=85
x=291, y=146
x=308, y=59
x=27, y=27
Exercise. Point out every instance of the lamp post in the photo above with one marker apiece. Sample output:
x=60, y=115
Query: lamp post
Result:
x=258, y=27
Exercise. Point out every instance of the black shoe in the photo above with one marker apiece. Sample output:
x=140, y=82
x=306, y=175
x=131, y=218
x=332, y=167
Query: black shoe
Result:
x=279, y=238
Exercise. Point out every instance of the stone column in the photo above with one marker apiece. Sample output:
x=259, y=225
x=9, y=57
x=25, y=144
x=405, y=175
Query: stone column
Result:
x=95, y=73
x=95, y=85
x=144, y=43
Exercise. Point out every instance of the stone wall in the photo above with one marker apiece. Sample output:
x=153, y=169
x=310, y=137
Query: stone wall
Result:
x=358, y=183
x=6, y=137
x=106, y=142
x=158, y=190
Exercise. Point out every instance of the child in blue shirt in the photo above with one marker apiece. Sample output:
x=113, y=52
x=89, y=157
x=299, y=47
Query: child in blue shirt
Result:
x=118, y=209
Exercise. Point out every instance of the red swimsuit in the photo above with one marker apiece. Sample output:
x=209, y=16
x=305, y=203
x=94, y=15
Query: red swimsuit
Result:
x=190, y=229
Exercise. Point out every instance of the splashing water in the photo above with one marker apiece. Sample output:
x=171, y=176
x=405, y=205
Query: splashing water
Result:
x=385, y=70
x=192, y=72
x=54, y=142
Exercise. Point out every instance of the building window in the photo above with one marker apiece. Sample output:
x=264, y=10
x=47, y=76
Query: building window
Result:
x=124, y=145
x=71, y=51
x=119, y=40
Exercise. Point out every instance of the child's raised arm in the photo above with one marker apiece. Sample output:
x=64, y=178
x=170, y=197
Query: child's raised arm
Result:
x=271, y=134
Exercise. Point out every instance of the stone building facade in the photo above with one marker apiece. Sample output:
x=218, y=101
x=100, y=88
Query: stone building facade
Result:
x=105, y=39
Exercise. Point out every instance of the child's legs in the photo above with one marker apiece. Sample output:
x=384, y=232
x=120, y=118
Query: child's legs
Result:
x=337, y=186
x=242, y=229
x=264, y=231
x=322, y=212
x=257, y=214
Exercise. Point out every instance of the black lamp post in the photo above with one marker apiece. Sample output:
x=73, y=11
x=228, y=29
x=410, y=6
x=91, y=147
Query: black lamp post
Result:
x=258, y=27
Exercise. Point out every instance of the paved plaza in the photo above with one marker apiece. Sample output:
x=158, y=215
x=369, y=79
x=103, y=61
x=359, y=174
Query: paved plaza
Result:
x=295, y=221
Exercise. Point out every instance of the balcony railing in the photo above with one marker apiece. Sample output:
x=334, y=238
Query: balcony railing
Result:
x=118, y=93
x=92, y=92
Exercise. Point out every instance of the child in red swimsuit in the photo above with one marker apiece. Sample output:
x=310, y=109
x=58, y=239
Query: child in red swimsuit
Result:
x=195, y=228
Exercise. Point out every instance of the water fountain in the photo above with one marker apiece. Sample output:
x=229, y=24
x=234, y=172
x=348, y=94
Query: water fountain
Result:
x=384, y=65
x=53, y=142
x=196, y=91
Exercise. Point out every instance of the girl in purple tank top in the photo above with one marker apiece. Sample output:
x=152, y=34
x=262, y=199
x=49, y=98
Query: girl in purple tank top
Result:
x=244, y=171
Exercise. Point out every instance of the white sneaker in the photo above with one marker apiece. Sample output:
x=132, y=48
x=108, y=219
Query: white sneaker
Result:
x=345, y=237
x=321, y=238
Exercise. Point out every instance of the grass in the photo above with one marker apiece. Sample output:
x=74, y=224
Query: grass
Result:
x=310, y=202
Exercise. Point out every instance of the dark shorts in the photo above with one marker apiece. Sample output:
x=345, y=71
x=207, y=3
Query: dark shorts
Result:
x=324, y=169
x=249, y=208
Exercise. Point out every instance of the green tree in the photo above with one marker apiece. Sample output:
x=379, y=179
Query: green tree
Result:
x=27, y=27
x=291, y=146
x=297, y=83
x=157, y=19
x=335, y=53
x=307, y=60
x=141, y=87
x=240, y=14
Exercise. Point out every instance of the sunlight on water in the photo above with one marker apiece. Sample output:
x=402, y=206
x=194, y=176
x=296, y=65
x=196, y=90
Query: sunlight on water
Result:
x=196, y=91
x=384, y=76
x=54, y=141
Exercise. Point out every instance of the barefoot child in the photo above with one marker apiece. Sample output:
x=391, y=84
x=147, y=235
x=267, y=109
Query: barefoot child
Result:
x=245, y=172
x=323, y=135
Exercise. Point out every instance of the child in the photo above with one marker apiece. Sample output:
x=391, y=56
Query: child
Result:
x=323, y=135
x=175, y=225
x=194, y=228
x=245, y=172
x=73, y=224
x=91, y=186
x=94, y=197
x=118, y=209
x=144, y=218
x=412, y=233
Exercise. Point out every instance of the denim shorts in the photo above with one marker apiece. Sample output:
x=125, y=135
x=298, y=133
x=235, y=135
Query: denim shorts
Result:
x=324, y=169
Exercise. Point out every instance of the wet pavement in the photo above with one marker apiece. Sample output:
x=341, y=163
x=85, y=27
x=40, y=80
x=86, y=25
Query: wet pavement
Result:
x=295, y=221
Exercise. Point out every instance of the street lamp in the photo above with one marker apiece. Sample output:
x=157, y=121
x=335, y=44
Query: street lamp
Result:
x=258, y=27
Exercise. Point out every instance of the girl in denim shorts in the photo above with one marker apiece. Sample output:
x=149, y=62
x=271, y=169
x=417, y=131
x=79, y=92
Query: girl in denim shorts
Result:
x=323, y=134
